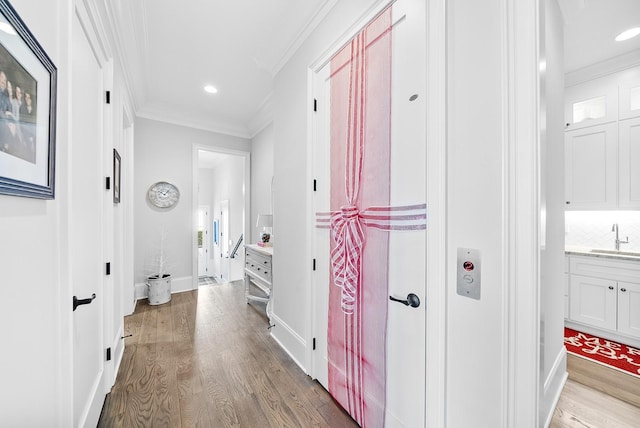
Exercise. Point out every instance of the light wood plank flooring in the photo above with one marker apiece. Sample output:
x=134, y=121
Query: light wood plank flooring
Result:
x=583, y=407
x=206, y=359
x=597, y=397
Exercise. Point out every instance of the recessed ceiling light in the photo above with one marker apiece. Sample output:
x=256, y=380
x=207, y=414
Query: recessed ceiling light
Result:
x=210, y=89
x=626, y=35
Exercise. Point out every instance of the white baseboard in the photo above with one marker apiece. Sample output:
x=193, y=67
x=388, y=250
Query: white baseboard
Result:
x=178, y=285
x=553, y=386
x=292, y=343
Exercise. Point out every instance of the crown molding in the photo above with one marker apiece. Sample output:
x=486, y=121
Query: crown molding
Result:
x=263, y=116
x=160, y=115
x=306, y=31
x=603, y=68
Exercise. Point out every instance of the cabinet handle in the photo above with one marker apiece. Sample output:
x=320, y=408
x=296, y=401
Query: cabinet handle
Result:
x=568, y=202
x=265, y=262
x=623, y=290
x=611, y=287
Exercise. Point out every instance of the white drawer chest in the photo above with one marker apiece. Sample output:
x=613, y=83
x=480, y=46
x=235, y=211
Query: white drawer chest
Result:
x=257, y=271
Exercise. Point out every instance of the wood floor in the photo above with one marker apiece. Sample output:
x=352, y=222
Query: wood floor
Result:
x=206, y=359
x=597, y=397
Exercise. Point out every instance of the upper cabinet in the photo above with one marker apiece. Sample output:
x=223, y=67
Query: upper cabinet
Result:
x=602, y=143
x=591, y=103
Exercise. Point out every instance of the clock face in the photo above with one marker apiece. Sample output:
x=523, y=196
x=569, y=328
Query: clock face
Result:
x=163, y=194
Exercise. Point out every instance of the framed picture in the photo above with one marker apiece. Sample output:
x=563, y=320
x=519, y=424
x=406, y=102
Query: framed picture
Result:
x=27, y=111
x=116, y=177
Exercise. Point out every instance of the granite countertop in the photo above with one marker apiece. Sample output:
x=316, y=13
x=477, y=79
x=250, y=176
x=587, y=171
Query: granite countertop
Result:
x=603, y=253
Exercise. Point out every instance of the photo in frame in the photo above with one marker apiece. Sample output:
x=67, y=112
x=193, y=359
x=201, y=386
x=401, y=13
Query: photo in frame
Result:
x=28, y=80
x=116, y=176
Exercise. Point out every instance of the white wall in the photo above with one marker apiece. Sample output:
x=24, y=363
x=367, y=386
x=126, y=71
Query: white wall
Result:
x=475, y=213
x=31, y=291
x=164, y=152
x=552, y=351
x=261, y=177
x=291, y=260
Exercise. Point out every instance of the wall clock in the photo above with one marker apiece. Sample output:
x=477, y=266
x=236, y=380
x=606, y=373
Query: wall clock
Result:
x=163, y=194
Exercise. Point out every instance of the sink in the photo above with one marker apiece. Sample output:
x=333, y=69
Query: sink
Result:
x=616, y=253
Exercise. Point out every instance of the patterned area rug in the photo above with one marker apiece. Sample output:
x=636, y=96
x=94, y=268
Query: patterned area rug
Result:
x=207, y=280
x=615, y=355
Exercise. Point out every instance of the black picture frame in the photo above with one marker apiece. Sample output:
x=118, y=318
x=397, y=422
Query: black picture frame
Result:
x=117, y=172
x=28, y=91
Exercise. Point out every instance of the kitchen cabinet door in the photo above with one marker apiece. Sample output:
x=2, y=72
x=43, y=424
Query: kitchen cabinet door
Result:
x=591, y=170
x=591, y=103
x=593, y=301
x=629, y=309
x=629, y=163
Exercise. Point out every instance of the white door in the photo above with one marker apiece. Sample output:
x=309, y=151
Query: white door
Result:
x=203, y=241
x=86, y=231
x=405, y=344
x=225, y=240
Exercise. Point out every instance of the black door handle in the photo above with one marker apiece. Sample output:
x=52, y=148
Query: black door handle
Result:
x=412, y=300
x=77, y=302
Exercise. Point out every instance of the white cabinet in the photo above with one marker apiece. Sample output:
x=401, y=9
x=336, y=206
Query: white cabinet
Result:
x=629, y=99
x=629, y=163
x=593, y=301
x=629, y=308
x=591, y=172
x=605, y=293
x=592, y=103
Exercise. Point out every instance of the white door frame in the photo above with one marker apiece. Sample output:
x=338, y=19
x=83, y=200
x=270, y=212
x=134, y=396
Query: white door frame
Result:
x=194, y=200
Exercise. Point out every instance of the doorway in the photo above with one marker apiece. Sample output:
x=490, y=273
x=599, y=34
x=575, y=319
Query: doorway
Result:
x=221, y=178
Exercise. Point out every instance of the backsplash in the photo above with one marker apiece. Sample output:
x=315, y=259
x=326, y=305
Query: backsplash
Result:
x=592, y=229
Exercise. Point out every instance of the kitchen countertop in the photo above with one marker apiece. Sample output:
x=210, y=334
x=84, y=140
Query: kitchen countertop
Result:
x=606, y=253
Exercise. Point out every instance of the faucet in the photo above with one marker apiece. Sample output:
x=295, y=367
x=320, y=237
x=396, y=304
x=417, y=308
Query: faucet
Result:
x=618, y=241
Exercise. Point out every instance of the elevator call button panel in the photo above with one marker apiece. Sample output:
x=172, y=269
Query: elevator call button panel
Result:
x=468, y=273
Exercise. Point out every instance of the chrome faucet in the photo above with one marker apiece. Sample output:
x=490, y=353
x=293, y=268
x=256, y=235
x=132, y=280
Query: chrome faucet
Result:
x=618, y=241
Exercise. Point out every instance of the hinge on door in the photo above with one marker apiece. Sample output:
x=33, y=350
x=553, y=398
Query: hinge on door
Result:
x=108, y=97
x=315, y=185
x=108, y=268
x=314, y=264
x=315, y=104
x=314, y=344
x=108, y=354
x=107, y=183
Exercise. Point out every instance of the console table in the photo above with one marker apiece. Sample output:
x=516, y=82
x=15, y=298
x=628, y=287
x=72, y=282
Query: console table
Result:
x=257, y=271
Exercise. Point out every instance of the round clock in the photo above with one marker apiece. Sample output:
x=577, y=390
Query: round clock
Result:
x=163, y=194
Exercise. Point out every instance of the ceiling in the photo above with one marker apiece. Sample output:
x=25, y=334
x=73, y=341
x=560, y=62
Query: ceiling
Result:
x=592, y=25
x=173, y=49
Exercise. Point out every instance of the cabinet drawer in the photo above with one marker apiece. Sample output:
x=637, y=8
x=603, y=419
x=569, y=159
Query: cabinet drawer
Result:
x=616, y=270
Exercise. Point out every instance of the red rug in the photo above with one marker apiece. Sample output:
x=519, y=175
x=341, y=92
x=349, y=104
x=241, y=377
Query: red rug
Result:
x=615, y=355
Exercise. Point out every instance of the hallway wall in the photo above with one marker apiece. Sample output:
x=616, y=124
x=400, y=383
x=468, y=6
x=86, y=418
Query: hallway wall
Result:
x=32, y=292
x=163, y=152
x=261, y=177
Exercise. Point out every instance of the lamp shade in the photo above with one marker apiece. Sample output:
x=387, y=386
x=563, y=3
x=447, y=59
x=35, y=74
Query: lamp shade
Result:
x=264, y=220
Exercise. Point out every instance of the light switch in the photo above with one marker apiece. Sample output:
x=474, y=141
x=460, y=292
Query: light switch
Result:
x=468, y=273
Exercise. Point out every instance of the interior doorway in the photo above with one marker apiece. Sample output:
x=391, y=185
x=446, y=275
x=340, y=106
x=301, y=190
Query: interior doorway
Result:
x=221, y=183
